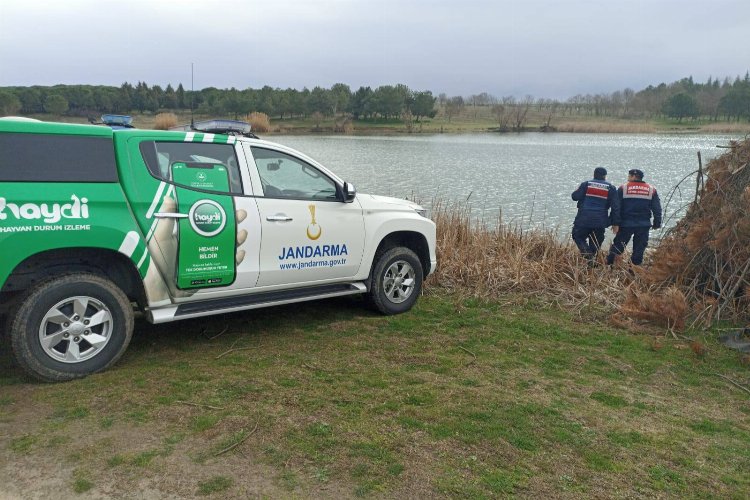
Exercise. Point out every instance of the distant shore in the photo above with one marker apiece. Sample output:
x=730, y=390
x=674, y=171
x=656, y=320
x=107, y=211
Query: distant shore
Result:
x=458, y=125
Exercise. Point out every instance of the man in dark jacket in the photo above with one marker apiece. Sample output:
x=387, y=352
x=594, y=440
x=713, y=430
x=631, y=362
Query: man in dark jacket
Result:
x=598, y=207
x=638, y=202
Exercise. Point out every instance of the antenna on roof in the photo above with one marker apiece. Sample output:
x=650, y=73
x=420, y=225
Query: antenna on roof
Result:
x=192, y=94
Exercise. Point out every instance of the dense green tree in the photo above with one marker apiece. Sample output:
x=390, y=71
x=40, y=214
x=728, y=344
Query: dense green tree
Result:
x=265, y=101
x=157, y=94
x=236, y=103
x=80, y=98
x=388, y=101
x=9, y=103
x=180, y=92
x=55, y=104
x=341, y=94
x=680, y=106
x=103, y=99
x=144, y=98
x=169, y=100
x=359, y=105
x=321, y=100
x=286, y=104
x=422, y=104
x=736, y=103
x=125, y=98
x=31, y=100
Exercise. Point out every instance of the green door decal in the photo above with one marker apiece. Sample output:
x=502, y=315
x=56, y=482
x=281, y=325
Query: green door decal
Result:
x=207, y=235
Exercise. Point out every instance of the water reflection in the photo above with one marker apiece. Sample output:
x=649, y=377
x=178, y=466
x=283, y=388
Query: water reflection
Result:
x=528, y=177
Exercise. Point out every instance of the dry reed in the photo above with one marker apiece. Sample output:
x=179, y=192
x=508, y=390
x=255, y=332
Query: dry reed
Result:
x=706, y=256
x=259, y=122
x=726, y=128
x=607, y=127
x=510, y=262
x=165, y=121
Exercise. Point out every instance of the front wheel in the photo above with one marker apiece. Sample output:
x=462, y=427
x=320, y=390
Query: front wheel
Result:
x=70, y=327
x=396, y=281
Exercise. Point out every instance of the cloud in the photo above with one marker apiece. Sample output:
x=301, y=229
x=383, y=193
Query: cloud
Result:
x=542, y=47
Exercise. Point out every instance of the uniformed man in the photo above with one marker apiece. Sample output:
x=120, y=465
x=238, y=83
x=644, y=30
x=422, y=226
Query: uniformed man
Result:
x=639, y=201
x=598, y=208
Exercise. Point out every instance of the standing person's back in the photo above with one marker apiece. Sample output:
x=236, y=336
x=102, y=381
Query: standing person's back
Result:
x=639, y=202
x=596, y=199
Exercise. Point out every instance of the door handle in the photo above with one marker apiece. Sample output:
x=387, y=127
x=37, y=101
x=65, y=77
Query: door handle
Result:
x=170, y=215
x=279, y=218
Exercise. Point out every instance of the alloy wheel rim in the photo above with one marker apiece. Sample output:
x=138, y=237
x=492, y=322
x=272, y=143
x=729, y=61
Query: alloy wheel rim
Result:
x=399, y=281
x=76, y=329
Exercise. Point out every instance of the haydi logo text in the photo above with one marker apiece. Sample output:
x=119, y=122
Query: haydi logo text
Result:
x=51, y=214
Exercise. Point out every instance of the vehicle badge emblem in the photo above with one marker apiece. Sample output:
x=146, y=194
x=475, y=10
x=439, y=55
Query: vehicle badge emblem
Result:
x=313, y=230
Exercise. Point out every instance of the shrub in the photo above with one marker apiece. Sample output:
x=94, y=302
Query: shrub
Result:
x=259, y=122
x=344, y=125
x=165, y=121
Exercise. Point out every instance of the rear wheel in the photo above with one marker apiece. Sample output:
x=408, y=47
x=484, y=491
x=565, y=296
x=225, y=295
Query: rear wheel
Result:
x=70, y=327
x=396, y=281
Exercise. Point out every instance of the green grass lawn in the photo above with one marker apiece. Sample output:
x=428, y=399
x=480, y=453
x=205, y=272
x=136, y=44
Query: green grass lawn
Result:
x=457, y=398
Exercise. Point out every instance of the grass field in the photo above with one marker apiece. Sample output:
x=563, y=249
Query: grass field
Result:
x=458, y=398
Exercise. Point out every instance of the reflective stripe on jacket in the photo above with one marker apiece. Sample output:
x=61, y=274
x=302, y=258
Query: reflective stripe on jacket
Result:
x=639, y=201
x=595, y=199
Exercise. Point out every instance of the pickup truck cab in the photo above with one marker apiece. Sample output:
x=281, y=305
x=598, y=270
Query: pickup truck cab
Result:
x=96, y=222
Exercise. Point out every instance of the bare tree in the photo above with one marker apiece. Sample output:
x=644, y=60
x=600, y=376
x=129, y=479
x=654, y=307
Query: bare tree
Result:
x=453, y=107
x=627, y=100
x=520, y=112
x=317, y=118
x=502, y=116
x=551, y=109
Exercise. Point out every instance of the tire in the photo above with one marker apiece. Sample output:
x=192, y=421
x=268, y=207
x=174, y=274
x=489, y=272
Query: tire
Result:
x=391, y=292
x=70, y=327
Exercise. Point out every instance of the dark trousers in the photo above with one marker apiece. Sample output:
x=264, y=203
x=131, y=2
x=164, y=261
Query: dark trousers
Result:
x=640, y=242
x=588, y=240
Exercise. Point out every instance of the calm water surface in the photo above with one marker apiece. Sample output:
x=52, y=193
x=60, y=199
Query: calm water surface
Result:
x=526, y=177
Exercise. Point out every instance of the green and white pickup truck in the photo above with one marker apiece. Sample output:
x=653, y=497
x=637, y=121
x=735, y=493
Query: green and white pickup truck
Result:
x=96, y=222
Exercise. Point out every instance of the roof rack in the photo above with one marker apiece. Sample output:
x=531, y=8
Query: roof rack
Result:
x=227, y=127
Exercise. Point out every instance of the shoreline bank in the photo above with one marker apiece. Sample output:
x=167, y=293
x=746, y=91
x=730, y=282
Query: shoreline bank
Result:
x=439, y=126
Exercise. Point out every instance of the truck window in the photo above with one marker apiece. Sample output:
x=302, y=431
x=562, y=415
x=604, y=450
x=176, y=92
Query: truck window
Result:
x=56, y=158
x=284, y=176
x=160, y=156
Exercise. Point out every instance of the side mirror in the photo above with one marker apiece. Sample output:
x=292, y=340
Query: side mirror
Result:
x=350, y=192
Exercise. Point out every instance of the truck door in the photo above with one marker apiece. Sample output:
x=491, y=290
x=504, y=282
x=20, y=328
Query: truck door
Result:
x=188, y=196
x=309, y=235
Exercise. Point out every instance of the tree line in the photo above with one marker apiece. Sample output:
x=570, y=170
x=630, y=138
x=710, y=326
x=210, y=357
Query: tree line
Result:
x=716, y=99
x=387, y=101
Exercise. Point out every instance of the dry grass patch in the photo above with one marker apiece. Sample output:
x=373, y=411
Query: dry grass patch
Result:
x=593, y=126
x=165, y=121
x=508, y=261
x=259, y=122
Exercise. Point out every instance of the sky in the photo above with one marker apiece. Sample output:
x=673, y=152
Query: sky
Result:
x=544, y=48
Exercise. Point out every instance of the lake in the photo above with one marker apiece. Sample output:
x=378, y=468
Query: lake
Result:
x=528, y=176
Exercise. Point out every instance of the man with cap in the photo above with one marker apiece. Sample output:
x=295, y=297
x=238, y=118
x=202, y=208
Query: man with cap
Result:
x=638, y=202
x=598, y=207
